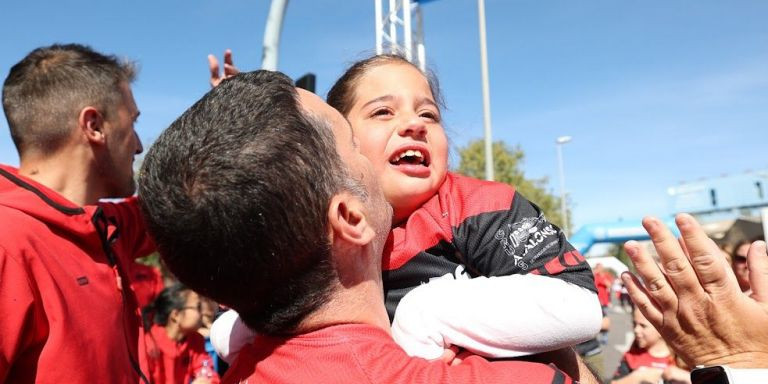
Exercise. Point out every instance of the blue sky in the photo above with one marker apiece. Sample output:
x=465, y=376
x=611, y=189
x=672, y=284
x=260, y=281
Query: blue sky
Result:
x=653, y=92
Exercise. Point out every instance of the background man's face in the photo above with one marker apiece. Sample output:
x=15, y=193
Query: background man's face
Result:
x=122, y=145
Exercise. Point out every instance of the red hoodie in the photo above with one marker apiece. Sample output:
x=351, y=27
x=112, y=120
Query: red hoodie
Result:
x=65, y=315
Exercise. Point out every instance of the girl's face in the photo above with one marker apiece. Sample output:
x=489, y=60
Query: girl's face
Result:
x=645, y=334
x=397, y=122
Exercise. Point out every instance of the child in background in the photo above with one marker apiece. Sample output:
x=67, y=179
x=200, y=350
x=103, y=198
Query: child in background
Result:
x=174, y=352
x=648, y=357
x=472, y=263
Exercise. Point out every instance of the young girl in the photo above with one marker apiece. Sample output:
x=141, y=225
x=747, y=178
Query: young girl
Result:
x=174, y=352
x=647, y=359
x=472, y=263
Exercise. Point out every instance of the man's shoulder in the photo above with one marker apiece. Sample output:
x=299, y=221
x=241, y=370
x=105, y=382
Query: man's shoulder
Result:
x=347, y=353
x=16, y=223
x=354, y=353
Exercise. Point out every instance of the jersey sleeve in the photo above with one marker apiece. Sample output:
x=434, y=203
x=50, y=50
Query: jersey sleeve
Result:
x=229, y=335
x=519, y=240
x=468, y=313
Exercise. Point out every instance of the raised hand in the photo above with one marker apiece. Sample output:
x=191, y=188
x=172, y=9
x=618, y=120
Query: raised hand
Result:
x=229, y=68
x=693, y=299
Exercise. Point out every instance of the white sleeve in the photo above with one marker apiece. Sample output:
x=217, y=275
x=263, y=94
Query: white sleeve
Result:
x=503, y=316
x=229, y=335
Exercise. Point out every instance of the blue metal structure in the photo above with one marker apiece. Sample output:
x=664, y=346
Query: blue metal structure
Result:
x=612, y=232
x=713, y=199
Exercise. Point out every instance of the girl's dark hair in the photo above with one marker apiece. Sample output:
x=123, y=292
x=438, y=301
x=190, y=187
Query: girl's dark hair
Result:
x=170, y=298
x=342, y=94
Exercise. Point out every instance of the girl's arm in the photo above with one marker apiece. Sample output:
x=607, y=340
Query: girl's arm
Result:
x=498, y=317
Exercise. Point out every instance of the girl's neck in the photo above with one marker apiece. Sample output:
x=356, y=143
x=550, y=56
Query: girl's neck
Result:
x=660, y=349
x=174, y=332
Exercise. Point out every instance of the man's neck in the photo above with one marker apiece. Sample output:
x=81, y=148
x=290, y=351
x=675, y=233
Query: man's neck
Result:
x=361, y=304
x=62, y=173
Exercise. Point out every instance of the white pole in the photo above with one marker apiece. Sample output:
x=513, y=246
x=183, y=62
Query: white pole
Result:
x=422, y=55
x=407, y=30
x=393, y=24
x=563, y=209
x=272, y=34
x=486, y=93
x=379, y=28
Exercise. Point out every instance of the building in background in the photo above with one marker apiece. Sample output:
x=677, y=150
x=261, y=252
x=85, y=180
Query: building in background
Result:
x=730, y=207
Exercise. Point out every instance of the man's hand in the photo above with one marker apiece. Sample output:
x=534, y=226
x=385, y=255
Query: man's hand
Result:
x=676, y=375
x=568, y=361
x=229, y=68
x=693, y=298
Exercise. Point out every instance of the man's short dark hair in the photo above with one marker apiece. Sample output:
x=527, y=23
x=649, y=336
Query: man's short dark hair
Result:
x=45, y=92
x=236, y=193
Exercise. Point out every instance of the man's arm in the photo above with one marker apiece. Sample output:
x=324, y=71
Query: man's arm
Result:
x=694, y=300
x=133, y=240
x=568, y=361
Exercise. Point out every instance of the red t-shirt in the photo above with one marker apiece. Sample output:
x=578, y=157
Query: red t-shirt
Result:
x=603, y=284
x=637, y=357
x=359, y=353
x=171, y=362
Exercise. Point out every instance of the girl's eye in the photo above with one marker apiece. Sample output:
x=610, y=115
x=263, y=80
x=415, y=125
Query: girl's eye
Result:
x=430, y=115
x=381, y=112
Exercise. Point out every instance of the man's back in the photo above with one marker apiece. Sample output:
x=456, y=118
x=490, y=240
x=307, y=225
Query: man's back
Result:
x=358, y=353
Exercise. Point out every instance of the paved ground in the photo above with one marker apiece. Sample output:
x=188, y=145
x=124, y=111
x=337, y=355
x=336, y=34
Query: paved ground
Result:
x=620, y=337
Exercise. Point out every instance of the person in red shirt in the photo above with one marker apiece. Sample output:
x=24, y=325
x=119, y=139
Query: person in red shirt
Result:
x=67, y=314
x=648, y=357
x=174, y=350
x=258, y=197
x=603, y=282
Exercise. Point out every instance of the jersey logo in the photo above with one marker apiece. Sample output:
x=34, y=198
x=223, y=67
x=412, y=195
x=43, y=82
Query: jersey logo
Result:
x=519, y=238
x=82, y=280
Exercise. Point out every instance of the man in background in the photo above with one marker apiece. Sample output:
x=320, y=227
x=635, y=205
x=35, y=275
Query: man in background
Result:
x=66, y=310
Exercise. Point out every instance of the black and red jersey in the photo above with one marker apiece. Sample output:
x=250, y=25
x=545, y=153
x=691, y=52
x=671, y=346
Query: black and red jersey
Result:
x=483, y=227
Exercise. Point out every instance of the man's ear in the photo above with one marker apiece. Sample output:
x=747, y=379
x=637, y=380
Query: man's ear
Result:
x=348, y=221
x=91, y=124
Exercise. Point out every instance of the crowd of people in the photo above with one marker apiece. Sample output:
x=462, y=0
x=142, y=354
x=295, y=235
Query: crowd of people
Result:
x=333, y=230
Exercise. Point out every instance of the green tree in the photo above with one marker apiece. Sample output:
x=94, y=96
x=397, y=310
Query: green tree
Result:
x=508, y=169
